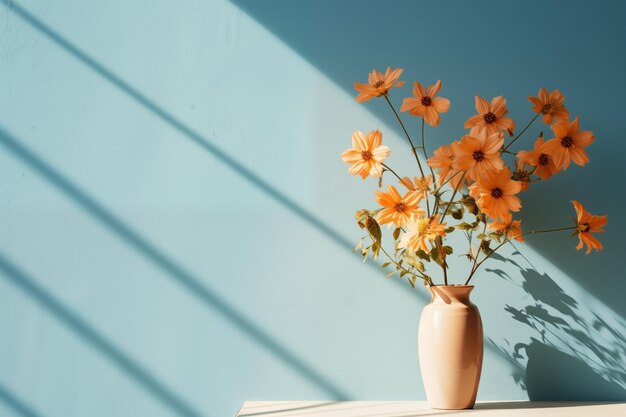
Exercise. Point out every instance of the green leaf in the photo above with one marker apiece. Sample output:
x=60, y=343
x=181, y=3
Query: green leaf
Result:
x=359, y=245
x=465, y=226
x=412, y=281
x=423, y=255
x=470, y=204
x=434, y=254
x=484, y=246
x=374, y=229
x=375, y=249
x=415, y=263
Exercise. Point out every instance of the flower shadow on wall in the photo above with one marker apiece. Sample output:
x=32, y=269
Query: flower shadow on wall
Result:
x=574, y=354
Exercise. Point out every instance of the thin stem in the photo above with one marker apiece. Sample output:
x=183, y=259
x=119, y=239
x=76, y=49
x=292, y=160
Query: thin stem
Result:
x=532, y=232
x=480, y=245
x=456, y=189
x=436, y=192
x=419, y=165
x=426, y=155
x=432, y=173
x=421, y=274
x=444, y=264
x=520, y=133
x=391, y=170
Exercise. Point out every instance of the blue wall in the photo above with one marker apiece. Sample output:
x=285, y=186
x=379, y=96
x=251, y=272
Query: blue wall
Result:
x=176, y=225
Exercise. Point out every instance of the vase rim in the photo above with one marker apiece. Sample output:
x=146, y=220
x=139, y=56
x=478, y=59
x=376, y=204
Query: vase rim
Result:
x=452, y=286
x=448, y=292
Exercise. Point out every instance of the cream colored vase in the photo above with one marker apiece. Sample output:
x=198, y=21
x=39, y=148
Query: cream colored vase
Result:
x=451, y=348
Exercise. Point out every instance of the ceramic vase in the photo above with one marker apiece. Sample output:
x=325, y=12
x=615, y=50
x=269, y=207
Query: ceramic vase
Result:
x=450, y=340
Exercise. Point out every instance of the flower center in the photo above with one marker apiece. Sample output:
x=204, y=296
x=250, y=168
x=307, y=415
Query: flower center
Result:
x=543, y=159
x=366, y=155
x=422, y=226
x=426, y=101
x=478, y=156
x=489, y=117
x=584, y=227
x=547, y=108
x=400, y=207
x=496, y=193
x=379, y=83
x=567, y=142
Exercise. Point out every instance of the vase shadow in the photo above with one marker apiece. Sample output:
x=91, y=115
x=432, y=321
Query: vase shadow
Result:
x=574, y=354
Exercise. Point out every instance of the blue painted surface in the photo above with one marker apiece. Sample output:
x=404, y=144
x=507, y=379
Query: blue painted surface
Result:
x=176, y=225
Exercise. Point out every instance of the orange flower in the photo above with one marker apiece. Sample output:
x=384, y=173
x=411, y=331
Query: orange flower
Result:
x=419, y=231
x=569, y=144
x=443, y=159
x=366, y=155
x=425, y=104
x=511, y=230
x=495, y=194
x=550, y=105
x=477, y=156
x=588, y=223
x=420, y=186
x=490, y=118
x=398, y=209
x=538, y=158
x=378, y=84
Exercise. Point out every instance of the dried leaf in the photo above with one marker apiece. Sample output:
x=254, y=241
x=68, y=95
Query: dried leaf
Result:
x=484, y=246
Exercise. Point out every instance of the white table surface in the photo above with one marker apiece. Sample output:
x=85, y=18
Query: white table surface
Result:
x=420, y=408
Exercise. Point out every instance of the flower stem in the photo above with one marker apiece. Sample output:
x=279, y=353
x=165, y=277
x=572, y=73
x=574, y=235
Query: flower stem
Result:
x=426, y=155
x=436, y=192
x=432, y=173
x=419, y=165
x=391, y=170
x=456, y=189
x=442, y=255
x=393, y=261
x=520, y=133
x=532, y=232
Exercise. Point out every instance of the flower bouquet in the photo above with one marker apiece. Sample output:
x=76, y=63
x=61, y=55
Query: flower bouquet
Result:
x=471, y=186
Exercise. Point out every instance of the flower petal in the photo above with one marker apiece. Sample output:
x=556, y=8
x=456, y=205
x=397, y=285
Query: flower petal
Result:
x=482, y=106
x=434, y=89
x=498, y=106
x=441, y=104
x=358, y=141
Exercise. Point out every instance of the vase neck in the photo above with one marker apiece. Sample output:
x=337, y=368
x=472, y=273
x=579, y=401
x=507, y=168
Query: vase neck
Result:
x=451, y=293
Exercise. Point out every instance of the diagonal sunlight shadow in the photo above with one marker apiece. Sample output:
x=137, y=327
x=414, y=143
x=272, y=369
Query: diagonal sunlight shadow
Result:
x=205, y=144
x=141, y=375
x=194, y=136
x=16, y=404
x=177, y=124
x=190, y=282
